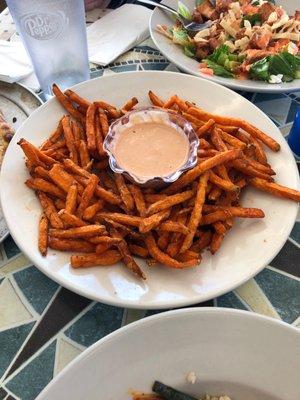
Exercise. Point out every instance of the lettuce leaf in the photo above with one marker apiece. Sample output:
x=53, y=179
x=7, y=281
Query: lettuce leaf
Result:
x=180, y=36
x=190, y=50
x=221, y=50
x=184, y=11
x=260, y=69
x=218, y=69
x=286, y=64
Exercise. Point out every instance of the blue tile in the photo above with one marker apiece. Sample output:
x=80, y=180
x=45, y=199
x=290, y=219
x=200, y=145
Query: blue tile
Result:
x=10, y=247
x=32, y=379
x=10, y=342
x=268, y=97
x=229, y=300
x=283, y=293
x=295, y=234
x=36, y=287
x=144, y=48
x=156, y=66
x=124, y=68
x=98, y=322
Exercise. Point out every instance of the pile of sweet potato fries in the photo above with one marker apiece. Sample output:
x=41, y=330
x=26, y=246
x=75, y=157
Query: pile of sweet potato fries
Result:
x=87, y=209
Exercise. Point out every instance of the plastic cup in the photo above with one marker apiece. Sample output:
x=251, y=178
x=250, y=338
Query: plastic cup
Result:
x=54, y=34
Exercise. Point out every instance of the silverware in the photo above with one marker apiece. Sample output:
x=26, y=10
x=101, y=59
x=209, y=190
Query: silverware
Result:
x=187, y=24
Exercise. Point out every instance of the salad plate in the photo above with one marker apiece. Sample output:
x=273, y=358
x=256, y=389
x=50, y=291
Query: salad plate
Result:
x=229, y=352
x=228, y=57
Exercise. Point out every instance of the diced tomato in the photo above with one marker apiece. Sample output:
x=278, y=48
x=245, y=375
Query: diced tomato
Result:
x=207, y=71
x=242, y=76
x=203, y=65
x=249, y=9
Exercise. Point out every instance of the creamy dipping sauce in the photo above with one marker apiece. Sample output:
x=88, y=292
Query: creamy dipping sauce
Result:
x=151, y=149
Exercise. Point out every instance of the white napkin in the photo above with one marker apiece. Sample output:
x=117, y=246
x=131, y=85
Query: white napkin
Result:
x=117, y=32
x=14, y=62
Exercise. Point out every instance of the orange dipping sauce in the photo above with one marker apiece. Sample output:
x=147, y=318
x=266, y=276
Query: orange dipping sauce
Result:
x=151, y=149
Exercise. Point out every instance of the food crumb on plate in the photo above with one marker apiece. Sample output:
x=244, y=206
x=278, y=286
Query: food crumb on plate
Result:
x=191, y=377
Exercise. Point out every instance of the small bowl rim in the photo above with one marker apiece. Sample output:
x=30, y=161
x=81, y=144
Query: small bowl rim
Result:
x=187, y=129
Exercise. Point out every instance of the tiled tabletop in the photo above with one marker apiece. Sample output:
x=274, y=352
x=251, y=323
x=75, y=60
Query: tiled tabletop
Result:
x=44, y=326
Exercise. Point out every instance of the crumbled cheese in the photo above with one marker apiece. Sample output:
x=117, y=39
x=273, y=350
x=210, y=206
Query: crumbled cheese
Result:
x=228, y=28
x=273, y=17
x=276, y=78
x=241, y=43
x=283, y=20
x=230, y=45
x=235, y=6
x=287, y=35
x=191, y=377
x=202, y=34
x=292, y=48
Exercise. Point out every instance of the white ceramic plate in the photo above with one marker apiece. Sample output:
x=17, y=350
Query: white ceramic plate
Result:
x=246, y=250
x=230, y=351
x=175, y=54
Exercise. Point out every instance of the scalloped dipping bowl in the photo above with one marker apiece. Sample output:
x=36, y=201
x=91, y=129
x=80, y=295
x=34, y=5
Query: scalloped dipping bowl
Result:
x=147, y=115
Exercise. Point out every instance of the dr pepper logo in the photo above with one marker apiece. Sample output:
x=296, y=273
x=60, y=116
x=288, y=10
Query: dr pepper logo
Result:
x=44, y=26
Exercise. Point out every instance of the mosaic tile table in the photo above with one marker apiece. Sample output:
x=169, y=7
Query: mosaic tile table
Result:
x=44, y=326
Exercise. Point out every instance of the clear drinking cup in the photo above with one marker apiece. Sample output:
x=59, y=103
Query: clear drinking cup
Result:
x=54, y=34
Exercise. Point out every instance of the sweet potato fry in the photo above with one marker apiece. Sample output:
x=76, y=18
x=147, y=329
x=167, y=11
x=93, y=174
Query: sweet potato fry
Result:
x=71, y=201
x=124, y=192
x=276, y=189
x=177, y=238
x=80, y=101
x=164, y=258
x=70, y=245
x=163, y=240
x=193, y=174
x=104, y=194
x=42, y=173
x=80, y=232
x=103, y=164
x=217, y=141
x=259, y=151
x=53, y=138
x=83, y=153
x=154, y=197
x=126, y=255
x=138, y=250
x=204, y=144
x=50, y=211
x=109, y=257
x=139, y=200
x=74, y=168
x=70, y=142
x=196, y=123
x=244, y=166
x=66, y=103
x=202, y=130
x=155, y=100
x=222, y=183
x=233, y=141
x=60, y=204
x=102, y=247
x=104, y=240
x=169, y=201
x=147, y=224
x=43, y=235
x=87, y=194
x=203, y=241
x=260, y=167
x=103, y=122
x=121, y=218
x=36, y=156
x=112, y=112
x=99, y=137
x=219, y=227
x=173, y=226
x=92, y=210
x=90, y=128
x=58, y=145
x=223, y=120
x=170, y=102
x=62, y=179
x=71, y=220
x=130, y=104
x=189, y=255
x=222, y=215
x=45, y=186
x=196, y=213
